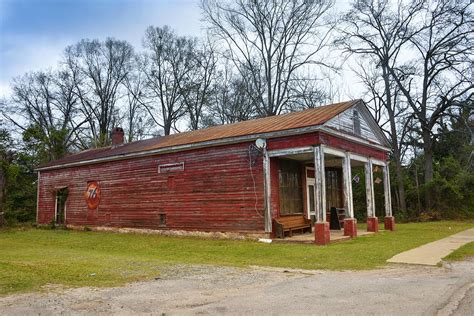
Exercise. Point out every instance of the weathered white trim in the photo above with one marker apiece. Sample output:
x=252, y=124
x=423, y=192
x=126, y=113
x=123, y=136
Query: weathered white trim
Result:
x=372, y=123
x=333, y=151
x=267, y=192
x=369, y=189
x=360, y=158
x=387, y=191
x=55, y=207
x=290, y=151
x=320, y=185
x=37, y=196
x=218, y=142
x=379, y=162
x=309, y=181
x=65, y=209
x=323, y=185
x=347, y=176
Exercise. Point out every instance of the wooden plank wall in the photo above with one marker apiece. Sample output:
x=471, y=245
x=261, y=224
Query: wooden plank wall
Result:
x=316, y=138
x=215, y=192
x=344, y=122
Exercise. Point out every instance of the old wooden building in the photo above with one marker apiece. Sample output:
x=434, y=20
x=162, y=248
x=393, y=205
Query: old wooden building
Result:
x=245, y=177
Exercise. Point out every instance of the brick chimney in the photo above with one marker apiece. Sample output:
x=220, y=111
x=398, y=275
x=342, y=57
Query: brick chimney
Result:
x=117, y=136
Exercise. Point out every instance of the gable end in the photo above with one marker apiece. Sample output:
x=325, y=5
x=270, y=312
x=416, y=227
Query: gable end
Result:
x=358, y=121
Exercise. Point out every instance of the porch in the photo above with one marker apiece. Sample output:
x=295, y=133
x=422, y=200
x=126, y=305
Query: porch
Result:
x=308, y=238
x=313, y=181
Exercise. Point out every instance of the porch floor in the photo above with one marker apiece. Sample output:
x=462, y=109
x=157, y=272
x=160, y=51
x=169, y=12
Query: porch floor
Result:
x=308, y=238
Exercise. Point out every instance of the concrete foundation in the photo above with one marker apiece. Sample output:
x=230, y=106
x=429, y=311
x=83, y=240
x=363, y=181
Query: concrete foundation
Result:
x=389, y=223
x=373, y=224
x=322, y=234
x=350, y=227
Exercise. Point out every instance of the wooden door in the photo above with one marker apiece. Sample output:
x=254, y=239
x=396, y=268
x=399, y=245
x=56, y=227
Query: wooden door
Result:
x=333, y=188
x=290, y=187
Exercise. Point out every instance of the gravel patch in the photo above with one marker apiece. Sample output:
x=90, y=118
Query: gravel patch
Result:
x=207, y=289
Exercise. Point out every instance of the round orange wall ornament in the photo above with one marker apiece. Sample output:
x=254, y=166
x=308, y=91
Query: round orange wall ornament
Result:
x=92, y=195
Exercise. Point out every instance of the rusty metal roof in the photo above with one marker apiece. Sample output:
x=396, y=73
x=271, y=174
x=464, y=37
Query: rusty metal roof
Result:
x=277, y=123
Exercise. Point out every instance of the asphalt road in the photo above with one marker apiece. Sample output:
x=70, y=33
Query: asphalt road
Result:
x=207, y=290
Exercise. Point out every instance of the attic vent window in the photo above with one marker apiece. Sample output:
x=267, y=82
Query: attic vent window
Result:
x=356, y=120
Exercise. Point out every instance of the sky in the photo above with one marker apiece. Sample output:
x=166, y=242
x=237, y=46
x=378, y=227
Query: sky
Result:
x=34, y=33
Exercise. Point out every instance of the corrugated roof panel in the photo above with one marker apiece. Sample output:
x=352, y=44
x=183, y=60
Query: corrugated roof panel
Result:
x=289, y=121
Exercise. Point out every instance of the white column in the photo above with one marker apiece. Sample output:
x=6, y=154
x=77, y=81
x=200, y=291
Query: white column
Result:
x=320, y=185
x=387, y=193
x=369, y=188
x=267, y=192
x=347, y=176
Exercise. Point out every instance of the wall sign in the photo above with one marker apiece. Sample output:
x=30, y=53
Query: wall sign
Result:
x=92, y=195
x=171, y=167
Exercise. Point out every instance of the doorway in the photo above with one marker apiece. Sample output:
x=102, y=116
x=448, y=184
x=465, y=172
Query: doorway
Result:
x=60, y=208
x=334, y=192
x=310, y=182
x=290, y=187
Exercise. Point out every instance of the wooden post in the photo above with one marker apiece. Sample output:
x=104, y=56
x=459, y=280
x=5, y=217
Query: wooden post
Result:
x=321, y=227
x=369, y=189
x=320, y=185
x=267, y=191
x=387, y=193
x=389, y=221
x=372, y=220
x=347, y=175
x=350, y=223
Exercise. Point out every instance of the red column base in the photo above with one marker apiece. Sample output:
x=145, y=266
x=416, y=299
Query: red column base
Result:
x=372, y=224
x=350, y=227
x=389, y=223
x=321, y=233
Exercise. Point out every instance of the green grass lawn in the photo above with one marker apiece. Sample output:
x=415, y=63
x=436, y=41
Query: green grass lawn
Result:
x=32, y=258
x=462, y=253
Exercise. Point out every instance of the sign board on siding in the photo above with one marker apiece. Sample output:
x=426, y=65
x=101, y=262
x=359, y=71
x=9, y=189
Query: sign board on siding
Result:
x=171, y=167
x=92, y=195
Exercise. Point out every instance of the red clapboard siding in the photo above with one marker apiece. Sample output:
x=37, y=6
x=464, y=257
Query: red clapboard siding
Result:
x=219, y=189
x=317, y=138
x=215, y=192
x=344, y=144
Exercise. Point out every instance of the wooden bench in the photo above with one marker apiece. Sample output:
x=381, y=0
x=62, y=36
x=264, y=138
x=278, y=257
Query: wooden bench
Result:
x=290, y=224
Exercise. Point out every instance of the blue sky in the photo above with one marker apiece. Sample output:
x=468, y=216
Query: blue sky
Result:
x=33, y=33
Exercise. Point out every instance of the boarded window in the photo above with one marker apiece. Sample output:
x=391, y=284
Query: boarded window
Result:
x=356, y=119
x=162, y=219
x=291, y=187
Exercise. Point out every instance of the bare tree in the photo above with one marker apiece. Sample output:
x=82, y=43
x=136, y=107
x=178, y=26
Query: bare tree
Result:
x=199, y=84
x=138, y=123
x=309, y=93
x=170, y=60
x=99, y=69
x=230, y=100
x=44, y=108
x=378, y=31
x=440, y=75
x=270, y=41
